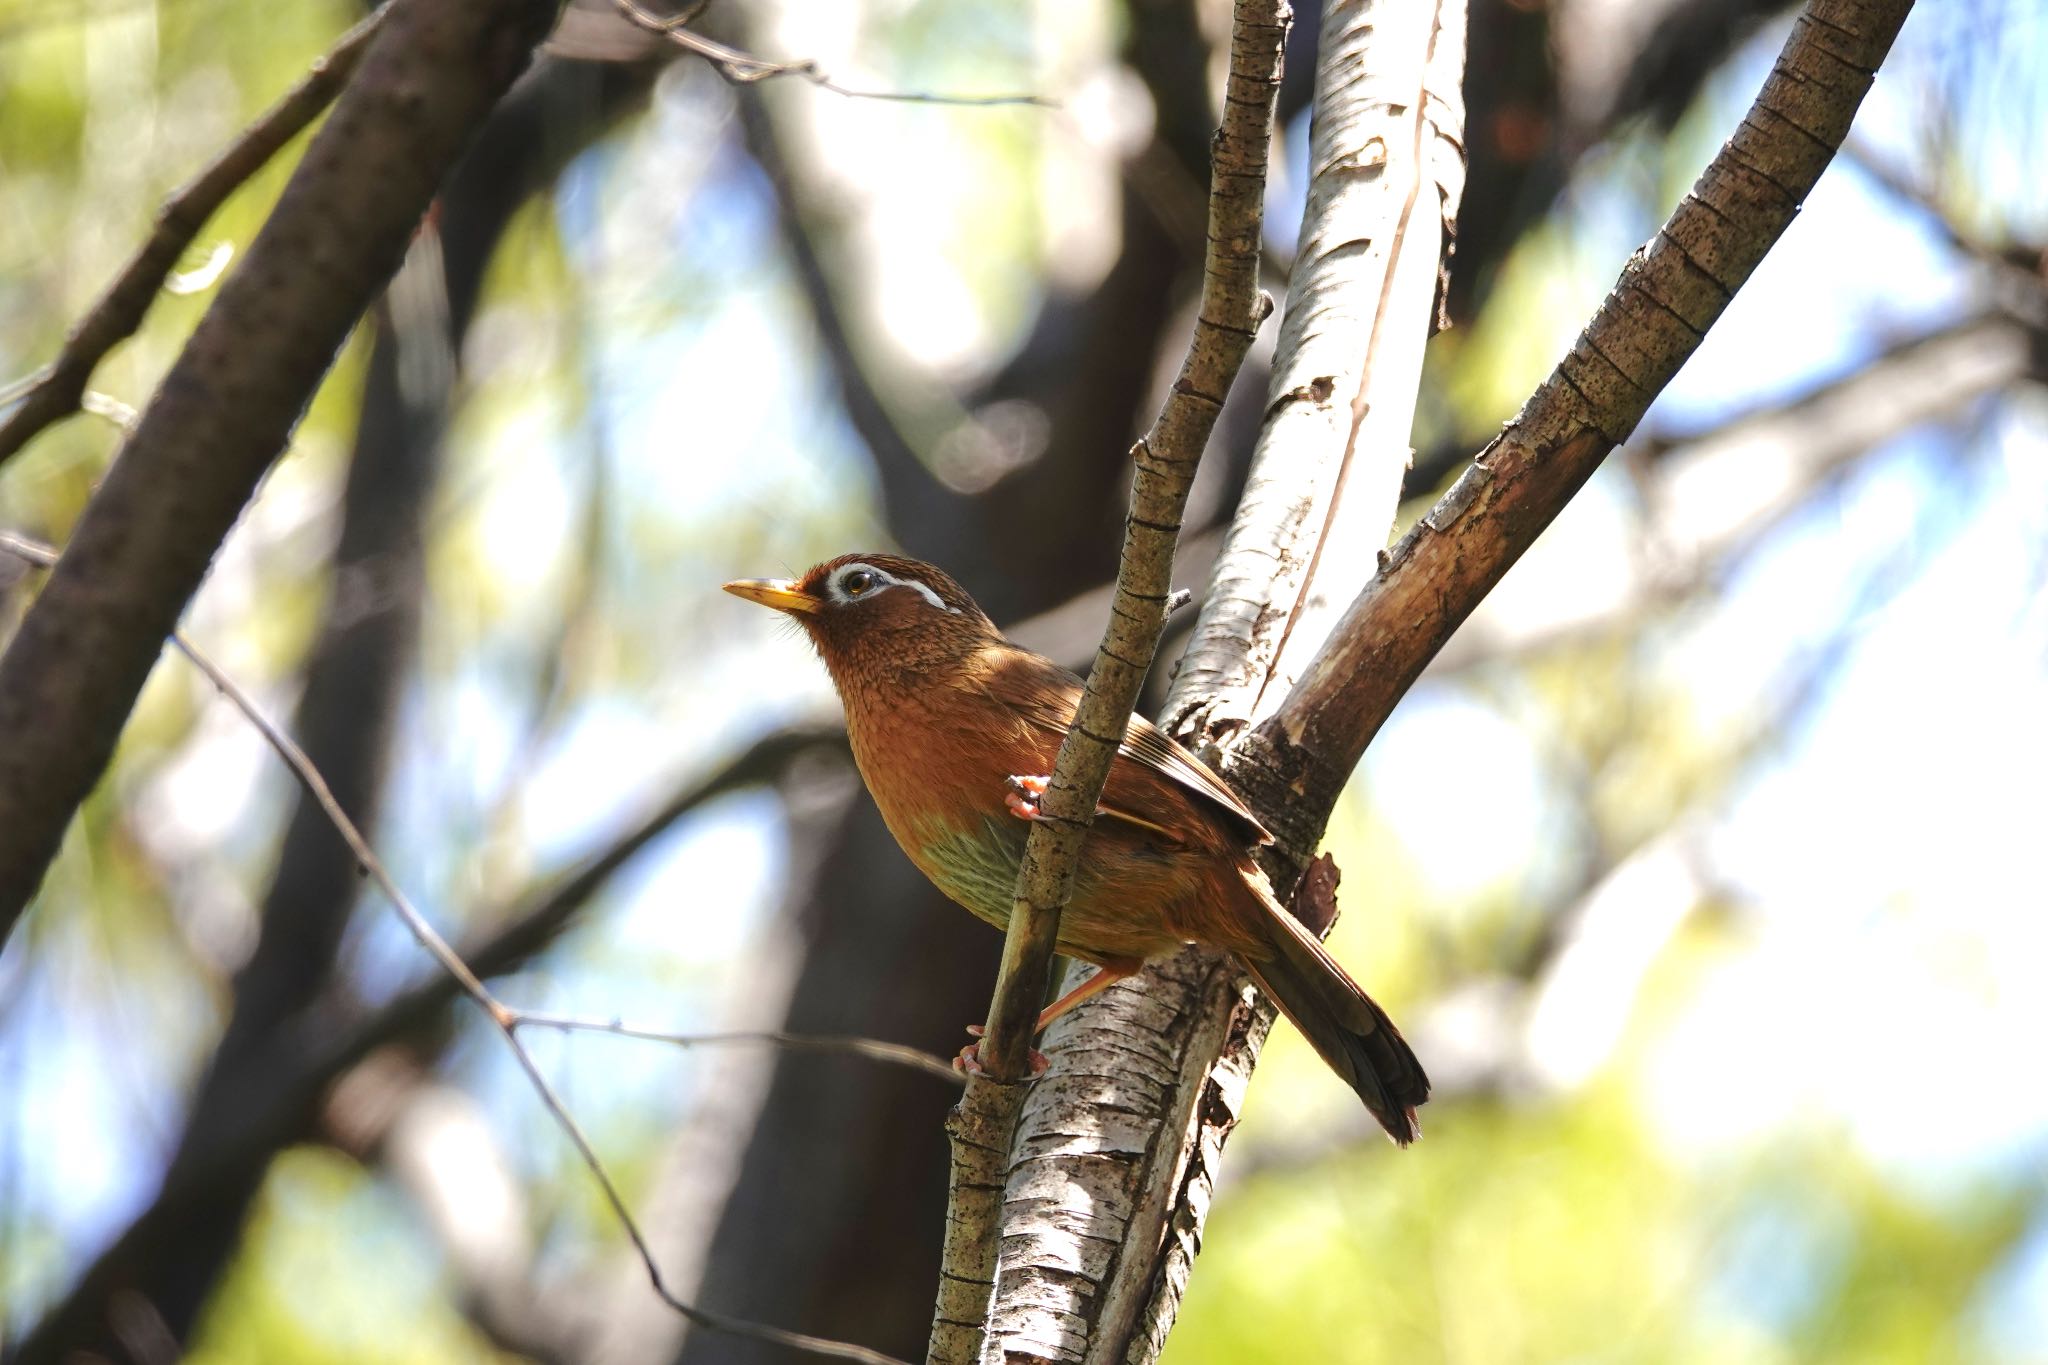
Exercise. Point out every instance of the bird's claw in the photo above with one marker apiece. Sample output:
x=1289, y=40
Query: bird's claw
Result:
x=969, y=1061
x=1023, y=796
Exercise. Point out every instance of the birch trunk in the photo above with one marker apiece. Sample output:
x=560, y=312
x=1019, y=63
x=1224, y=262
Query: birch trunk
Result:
x=1112, y=1165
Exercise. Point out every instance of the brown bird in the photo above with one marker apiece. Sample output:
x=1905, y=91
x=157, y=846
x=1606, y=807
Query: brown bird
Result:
x=955, y=728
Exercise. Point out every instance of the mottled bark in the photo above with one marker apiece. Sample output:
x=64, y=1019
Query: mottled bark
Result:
x=1655, y=317
x=1386, y=172
x=1165, y=460
x=1106, y=1203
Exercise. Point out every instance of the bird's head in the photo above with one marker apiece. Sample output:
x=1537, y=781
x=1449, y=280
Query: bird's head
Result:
x=875, y=614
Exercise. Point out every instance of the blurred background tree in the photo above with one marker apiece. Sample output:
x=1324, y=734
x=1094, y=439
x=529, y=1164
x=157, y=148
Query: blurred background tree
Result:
x=1700, y=867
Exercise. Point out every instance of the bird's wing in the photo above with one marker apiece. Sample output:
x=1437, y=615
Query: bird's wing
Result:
x=1045, y=694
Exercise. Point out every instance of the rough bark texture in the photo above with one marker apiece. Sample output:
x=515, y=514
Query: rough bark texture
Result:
x=1658, y=312
x=1386, y=172
x=228, y=405
x=1165, y=459
x=1759, y=467
x=1666, y=299
x=1123, y=1181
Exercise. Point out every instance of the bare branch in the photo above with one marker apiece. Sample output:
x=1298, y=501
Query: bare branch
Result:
x=1166, y=457
x=1706, y=495
x=1668, y=295
x=58, y=389
x=69, y=678
x=507, y=1020
x=741, y=68
x=873, y=1049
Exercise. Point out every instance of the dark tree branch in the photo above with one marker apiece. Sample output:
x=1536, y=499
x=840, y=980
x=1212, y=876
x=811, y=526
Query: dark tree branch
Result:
x=58, y=388
x=359, y=661
x=71, y=675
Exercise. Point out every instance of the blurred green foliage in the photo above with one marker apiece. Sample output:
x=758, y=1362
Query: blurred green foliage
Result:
x=573, y=650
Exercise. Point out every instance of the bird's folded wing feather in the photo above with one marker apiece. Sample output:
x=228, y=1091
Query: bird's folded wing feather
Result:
x=1046, y=696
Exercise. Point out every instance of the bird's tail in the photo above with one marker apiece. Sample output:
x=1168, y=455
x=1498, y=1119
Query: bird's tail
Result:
x=1353, y=1034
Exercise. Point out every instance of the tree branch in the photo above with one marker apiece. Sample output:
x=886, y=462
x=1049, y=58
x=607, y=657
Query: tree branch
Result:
x=1668, y=295
x=71, y=675
x=1706, y=495
x=1333, y=449
x=742, y=68
x=1165, y=459
x=1134, y=1184
x=58, y=389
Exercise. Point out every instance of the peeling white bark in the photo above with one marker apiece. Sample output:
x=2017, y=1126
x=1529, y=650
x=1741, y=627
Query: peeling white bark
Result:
x=1117, y=1148
x=1386, y=172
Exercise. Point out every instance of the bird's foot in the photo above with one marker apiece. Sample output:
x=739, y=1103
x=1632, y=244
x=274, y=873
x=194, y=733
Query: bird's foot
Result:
x=1023, y=796
x=969, y=1060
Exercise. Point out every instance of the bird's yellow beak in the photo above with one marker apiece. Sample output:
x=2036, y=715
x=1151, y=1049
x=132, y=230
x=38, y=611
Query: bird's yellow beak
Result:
x=780, y=593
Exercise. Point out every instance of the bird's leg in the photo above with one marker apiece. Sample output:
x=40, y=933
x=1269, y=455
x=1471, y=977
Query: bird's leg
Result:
x=969, y=1060
x=1023, y=796
x=1106, y=975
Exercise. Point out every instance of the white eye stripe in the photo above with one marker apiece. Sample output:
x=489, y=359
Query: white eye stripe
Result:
x=882, y=580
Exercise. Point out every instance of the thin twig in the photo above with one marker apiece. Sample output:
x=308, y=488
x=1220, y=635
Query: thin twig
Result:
x=34, y=551
x=504, y=1016
x=55, y=391
x=874, y=1049
x=1165, y=460
x=742, y=68
x=303, y=1060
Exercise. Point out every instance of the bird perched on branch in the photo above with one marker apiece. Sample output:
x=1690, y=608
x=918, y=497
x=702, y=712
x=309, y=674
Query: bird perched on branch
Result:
x=955, y=729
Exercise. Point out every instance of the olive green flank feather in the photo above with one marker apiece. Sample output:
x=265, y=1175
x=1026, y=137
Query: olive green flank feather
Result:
x=976, y=865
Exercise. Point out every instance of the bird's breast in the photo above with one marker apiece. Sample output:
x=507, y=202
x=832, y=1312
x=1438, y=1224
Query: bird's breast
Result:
x=939, y=775
x=974, y=863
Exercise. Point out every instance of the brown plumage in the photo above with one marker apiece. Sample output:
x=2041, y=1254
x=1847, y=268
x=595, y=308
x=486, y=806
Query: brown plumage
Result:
x=954, y=728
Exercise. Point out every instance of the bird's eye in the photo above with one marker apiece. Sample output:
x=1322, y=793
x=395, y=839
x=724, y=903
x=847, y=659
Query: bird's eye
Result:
x=857, y=582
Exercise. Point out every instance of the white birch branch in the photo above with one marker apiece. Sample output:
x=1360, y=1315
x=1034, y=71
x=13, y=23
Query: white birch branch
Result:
x=1104, y=1203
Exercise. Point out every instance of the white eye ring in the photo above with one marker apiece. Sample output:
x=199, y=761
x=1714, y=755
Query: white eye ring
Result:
x=857, y=581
